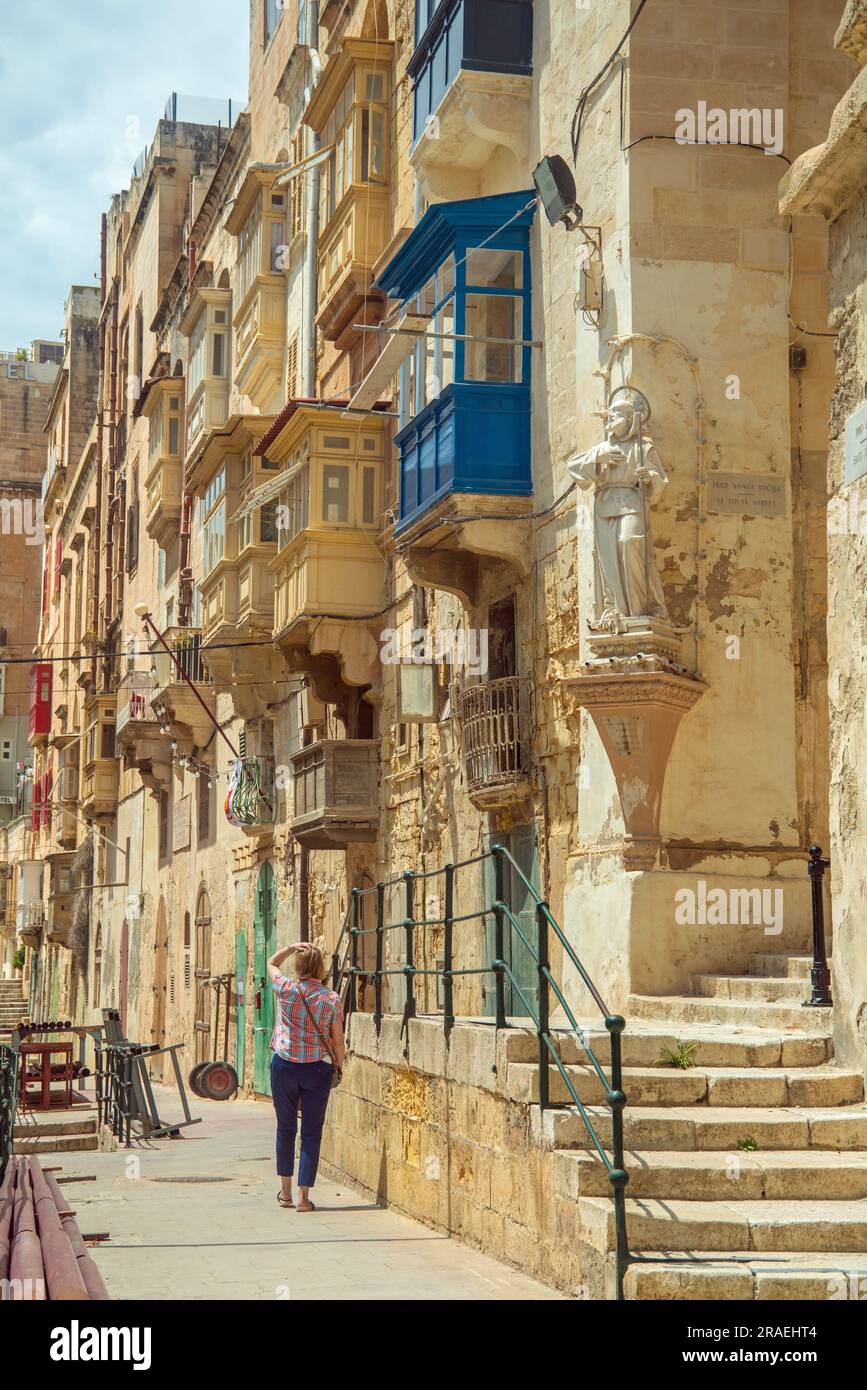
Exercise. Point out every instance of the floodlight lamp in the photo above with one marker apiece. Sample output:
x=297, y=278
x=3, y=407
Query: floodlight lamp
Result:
x=556, y=187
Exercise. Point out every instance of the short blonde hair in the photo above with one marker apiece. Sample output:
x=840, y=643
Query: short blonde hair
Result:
x=308, y=961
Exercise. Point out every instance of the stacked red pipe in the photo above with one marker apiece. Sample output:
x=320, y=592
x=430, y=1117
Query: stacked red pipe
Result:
x=42, y=1251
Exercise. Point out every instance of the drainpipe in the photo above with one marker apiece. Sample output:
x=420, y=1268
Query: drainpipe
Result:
x=112, y=458
x=100, y=408
x=311, y=248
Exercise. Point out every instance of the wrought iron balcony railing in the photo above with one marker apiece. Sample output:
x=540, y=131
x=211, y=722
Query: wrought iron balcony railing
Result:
x=494, y=734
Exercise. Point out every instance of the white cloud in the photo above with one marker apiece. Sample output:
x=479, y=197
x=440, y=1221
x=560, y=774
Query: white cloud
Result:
x=82, y=86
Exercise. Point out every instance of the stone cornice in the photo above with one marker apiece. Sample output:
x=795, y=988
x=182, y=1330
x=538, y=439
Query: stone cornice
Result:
x=828, y=178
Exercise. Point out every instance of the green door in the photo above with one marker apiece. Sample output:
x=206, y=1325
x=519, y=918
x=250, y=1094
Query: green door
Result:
x=54, y=1003
x=264, y=932
x=240, y=1002
x=523, y=846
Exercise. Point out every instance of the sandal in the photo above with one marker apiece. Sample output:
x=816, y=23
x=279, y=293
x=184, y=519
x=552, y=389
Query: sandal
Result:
x=310, y=1206
x=284, y=1201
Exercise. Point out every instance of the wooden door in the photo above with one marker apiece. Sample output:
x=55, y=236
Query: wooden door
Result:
x=264, y=932
x=240, y=1004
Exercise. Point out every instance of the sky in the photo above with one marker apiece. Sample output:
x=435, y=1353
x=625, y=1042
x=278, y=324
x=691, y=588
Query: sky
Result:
x=82, y=86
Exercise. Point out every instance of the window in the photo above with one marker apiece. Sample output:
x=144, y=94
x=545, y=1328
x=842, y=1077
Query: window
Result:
x=357, y=129
x=164, y=825
x=293, y=506
x=204, y=810
x=273, y=15
x=249, y=250
x=297, y=185
x=214, y=523
x=197, y=353
x=292, y=369
x=335, y=493
x=132, y=519
x=6, y=753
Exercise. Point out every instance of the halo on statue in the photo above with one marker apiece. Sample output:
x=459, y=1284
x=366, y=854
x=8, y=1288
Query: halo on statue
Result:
x=637, y=399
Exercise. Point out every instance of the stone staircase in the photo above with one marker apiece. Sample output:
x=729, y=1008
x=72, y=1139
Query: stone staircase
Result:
x=13, y=1007
x=748, y=1168
x=70, y=1132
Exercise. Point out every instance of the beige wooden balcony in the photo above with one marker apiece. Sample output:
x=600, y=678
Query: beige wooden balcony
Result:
x=99, y=777
x=258, y=219
x=139, y=738
x=329, y=573
x=349, y=110
x=206, y=325
x=493, y=719
x=164, y=477
x=336, y=793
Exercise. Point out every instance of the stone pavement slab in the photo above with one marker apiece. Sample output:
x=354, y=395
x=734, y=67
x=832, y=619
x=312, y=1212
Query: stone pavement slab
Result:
x=197, y=1218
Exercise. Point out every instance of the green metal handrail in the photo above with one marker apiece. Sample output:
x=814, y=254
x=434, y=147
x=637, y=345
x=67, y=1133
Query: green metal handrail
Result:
x=346, y=971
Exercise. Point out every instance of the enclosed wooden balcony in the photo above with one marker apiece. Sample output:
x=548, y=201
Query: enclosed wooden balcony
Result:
x=335, y=784
x=206, y=324
x=472, y=81
x=61, y=895
x=164, y=478
x=258, y=220
x=237, y=582
x=99, y=776
x=495, y=748
x=329, y=573
x=350, y=111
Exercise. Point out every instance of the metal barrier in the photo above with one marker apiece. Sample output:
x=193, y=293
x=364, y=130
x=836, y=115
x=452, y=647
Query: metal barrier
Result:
x=124, y=1093
x=346, y=973
x=8, y=1102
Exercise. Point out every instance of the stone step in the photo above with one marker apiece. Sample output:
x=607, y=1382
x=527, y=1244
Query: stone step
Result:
x=38, y=1128
x=812, y=1276
x=792, y=967
x=711, y=1177
x=734, y=1225
x=760, y=989
x=691, y=1128
x=715, y=1045
x=723, y=1086
x=686, y=1008
x=53, y=1144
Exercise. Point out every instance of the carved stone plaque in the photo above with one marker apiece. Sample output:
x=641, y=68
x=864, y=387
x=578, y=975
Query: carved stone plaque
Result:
x=752, y=494
x=855, y=465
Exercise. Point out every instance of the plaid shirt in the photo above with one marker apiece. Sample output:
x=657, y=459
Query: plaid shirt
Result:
x=295, y=1038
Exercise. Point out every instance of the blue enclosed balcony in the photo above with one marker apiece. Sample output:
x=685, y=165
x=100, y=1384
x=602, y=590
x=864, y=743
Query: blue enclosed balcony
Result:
x=472, y=73
x=466, y=392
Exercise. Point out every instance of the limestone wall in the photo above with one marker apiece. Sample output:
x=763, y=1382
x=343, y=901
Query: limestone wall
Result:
x=428, y=1128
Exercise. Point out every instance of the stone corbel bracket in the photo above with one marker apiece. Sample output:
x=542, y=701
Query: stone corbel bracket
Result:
x=460, y=567
x=637, y=715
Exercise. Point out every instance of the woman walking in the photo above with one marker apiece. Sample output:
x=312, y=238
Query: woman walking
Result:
x=308, y=1060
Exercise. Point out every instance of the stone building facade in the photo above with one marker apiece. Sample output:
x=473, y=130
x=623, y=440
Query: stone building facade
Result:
x=824, y=188
x=348, y=376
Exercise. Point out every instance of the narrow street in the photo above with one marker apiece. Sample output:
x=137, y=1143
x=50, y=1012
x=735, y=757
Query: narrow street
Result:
x=197, y=1218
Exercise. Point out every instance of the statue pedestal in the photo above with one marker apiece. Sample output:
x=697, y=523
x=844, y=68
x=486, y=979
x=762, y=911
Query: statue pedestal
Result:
x=637, y=703
x=634, y=641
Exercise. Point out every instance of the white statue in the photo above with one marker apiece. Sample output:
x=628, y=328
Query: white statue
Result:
x=626, y=474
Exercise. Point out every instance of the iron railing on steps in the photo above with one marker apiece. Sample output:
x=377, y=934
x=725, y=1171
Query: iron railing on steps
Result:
x=347, y=973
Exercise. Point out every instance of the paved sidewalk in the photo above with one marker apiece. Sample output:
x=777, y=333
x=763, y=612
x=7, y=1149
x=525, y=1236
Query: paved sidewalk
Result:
x=197, y=1217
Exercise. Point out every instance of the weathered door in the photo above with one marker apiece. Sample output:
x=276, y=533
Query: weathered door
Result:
x=264, y=932
x=240, y=1003
x=204, y=993
x=158, y=1015
x=523, y=846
